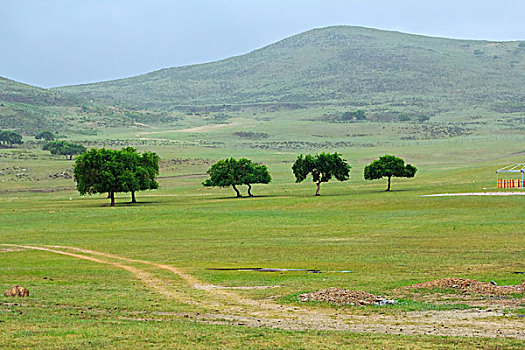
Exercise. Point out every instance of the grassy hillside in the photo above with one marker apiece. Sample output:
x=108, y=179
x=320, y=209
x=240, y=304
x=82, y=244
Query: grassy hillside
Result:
x=29, y=110
x=15, y=92
x=338, y=65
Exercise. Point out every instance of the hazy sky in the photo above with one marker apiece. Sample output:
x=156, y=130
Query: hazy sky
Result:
x=52, y=43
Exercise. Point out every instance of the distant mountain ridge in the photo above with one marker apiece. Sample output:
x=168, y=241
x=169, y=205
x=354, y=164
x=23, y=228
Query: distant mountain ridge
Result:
x=333, y=65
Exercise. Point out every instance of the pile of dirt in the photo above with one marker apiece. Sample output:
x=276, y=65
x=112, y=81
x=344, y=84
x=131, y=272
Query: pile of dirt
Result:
x=469, y=286
x=340, y=296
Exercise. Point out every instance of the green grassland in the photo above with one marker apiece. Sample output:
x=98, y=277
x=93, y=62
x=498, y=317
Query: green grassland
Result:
x=387, y=240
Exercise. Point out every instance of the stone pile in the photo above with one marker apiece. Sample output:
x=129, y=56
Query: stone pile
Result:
x=340, y=296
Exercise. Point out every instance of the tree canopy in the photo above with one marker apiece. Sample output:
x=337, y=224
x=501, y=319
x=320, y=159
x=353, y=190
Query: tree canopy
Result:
x=232, y=172
x=111, y=171
x=10, y=138
x=143, y=171
x=46, y=135
x=353, y=116
x=64, y=148
x=322, y=167
x=388, y=166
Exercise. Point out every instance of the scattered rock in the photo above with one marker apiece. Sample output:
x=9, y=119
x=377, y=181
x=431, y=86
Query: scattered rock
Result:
x=16, y=291
x=340, y=296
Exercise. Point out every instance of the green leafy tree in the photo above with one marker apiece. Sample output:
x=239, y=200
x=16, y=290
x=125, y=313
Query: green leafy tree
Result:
x=322, y=167
x=388, y=166
x=98, y=171
x=255, y=174
x=10, y=138
x=231, y=172
x=142, y=171
x=46, y=135
x=112, y=171
x=64, y=148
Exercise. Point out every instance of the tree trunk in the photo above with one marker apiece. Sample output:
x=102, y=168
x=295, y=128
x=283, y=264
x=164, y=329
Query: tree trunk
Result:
x=318, y=187
x=70, y=157
x=250, y=190
x=112, y=196
x=237, y=191
x=133, y=200
x=388, y=188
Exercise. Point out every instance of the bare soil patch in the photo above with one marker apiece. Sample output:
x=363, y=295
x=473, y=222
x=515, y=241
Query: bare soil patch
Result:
x=475, y=194
x=469, y=286
x=198, y=129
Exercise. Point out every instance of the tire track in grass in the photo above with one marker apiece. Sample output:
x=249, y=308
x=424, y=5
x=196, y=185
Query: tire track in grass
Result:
x=213, y=291
x=145, y=277
x=233, y=309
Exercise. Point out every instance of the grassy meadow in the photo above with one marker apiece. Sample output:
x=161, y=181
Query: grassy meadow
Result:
x=387, y=240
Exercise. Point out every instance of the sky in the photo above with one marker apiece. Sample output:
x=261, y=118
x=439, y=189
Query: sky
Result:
x=51, y=43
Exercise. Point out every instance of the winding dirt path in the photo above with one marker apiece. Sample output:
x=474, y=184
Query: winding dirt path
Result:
x=228, y=307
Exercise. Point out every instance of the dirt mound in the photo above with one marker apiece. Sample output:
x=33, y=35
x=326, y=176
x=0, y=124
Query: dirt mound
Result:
x=341, y=296
x=16, y=291
x=469, y=286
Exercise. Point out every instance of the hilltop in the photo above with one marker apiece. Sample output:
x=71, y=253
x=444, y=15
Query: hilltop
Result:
x=335, y=65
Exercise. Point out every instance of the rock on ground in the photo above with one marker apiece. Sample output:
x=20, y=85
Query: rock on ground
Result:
x=16, y=291
x=340, y=296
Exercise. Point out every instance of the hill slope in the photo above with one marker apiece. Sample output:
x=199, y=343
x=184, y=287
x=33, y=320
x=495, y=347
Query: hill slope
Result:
x=13, y=91
x=29, y=109
x=335, y=65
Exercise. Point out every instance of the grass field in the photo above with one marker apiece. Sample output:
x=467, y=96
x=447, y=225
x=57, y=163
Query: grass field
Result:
x=145, y=281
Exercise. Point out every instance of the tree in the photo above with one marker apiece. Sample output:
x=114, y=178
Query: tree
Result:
x=10, y=138
x=64, y=148
x=388, y=166
x=258, y=174
x=142, y=172
x=231, y=172
x=112, y=171
x=322, y=166
x=46, y=135
x=355, y=115
x=97, y=171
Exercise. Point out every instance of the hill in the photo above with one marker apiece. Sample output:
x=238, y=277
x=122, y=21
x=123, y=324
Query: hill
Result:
x=336, y=65
x=30, y=110
x=16, y=92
